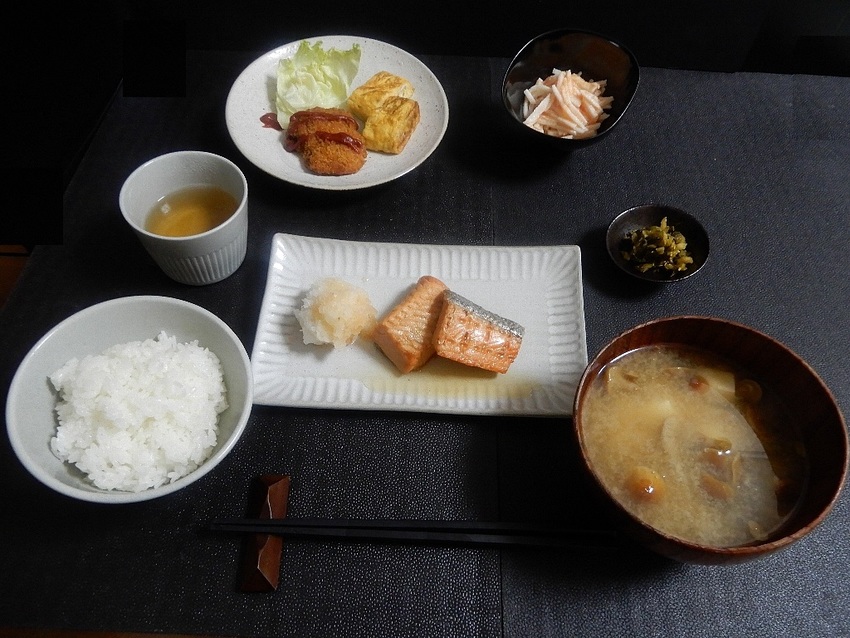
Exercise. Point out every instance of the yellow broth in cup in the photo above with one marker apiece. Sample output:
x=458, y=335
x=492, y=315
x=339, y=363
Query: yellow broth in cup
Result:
x=191, y=211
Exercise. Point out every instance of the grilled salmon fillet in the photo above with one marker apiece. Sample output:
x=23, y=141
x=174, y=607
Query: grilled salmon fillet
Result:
x=469, y=334
x=405, y=334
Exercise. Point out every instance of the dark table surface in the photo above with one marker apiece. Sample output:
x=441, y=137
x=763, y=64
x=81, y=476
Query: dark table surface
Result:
x=762, y=160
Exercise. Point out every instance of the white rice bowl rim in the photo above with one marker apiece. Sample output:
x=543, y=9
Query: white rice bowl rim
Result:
x=30, y=416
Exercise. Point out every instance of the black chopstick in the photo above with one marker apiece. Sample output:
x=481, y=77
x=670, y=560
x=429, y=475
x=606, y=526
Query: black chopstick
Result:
x=415, y=531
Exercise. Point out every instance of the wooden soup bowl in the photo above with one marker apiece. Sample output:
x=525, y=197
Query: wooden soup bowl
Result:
x=811, y=403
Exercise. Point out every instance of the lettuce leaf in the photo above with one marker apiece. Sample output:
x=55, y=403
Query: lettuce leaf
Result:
x=314, y=77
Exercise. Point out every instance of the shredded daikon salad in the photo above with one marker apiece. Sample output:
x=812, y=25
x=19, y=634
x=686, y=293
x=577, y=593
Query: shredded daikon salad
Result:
x=566, y=105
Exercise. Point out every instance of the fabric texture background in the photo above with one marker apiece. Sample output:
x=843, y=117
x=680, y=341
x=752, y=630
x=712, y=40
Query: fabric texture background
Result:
x=761, y=159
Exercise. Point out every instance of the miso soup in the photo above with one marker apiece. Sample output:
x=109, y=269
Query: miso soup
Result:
x=694, y=446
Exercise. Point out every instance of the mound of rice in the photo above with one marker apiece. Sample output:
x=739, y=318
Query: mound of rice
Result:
x=141, y=414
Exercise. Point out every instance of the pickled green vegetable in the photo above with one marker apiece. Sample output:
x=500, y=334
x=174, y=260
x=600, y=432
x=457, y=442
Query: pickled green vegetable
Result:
x=660, y=249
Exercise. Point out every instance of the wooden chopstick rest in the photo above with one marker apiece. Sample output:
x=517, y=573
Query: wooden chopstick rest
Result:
x=261, y=562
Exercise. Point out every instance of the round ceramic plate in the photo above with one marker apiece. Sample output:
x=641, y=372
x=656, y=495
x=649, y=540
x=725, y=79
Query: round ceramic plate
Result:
x=253, y=95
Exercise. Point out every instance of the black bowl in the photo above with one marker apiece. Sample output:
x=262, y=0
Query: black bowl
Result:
x=651, y=215
x=595, y=56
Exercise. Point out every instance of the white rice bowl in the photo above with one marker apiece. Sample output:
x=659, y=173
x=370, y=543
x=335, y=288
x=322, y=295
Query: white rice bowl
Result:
x=87, y=449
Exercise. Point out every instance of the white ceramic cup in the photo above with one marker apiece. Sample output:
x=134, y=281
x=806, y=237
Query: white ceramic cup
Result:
x=199, y=259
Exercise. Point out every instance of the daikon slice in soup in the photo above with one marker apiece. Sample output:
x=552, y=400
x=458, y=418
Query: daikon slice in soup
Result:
x=694, y=446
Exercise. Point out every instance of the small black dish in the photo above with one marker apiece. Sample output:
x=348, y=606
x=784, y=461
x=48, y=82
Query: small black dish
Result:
x=651, y=215
x=595, y=56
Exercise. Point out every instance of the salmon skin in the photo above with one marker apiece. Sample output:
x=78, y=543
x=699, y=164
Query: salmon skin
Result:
x=471, y=335
x=406, y=333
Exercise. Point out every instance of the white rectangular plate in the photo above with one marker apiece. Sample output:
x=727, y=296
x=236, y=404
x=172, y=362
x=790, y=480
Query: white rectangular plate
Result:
x=539, y=287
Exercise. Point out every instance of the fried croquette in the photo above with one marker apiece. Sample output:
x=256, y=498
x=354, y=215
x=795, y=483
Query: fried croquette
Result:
x=304, y=123
x=334, y=153
x=328, y=140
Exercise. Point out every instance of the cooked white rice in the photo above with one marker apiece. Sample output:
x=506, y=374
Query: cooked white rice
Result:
x=141, y=414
